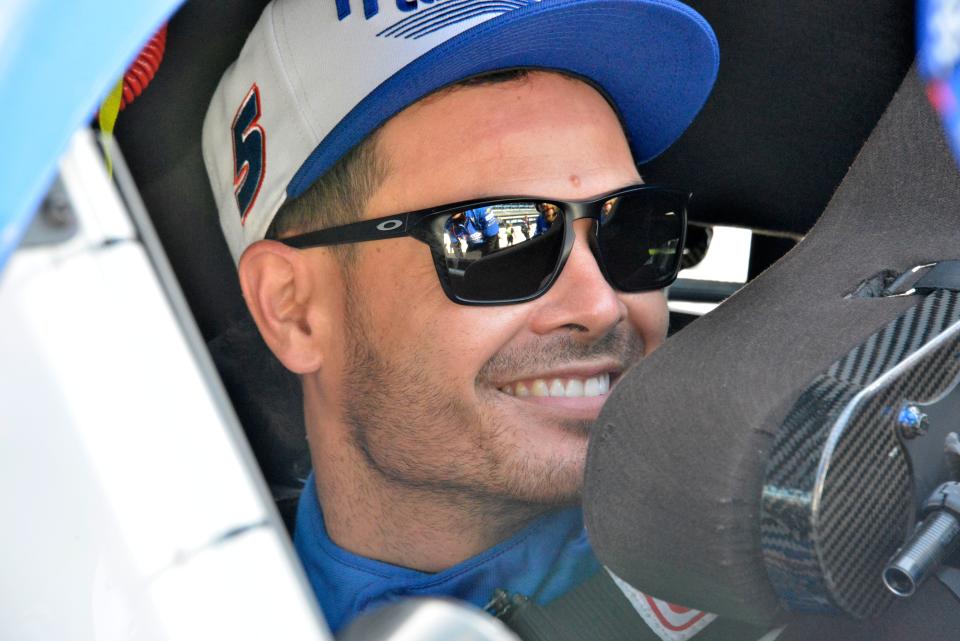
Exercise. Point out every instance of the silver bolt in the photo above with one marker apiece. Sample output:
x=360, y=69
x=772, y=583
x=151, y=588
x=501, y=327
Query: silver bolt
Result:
x=912, y=422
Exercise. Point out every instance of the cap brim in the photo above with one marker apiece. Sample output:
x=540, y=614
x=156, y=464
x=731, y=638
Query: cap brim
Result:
x=656, y=60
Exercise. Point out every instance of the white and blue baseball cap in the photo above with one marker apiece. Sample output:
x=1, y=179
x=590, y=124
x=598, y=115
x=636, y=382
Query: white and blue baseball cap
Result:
x=316, y=77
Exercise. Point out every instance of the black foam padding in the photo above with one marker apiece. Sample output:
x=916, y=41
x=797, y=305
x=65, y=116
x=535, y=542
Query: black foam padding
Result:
x=801, y=86
x=674, y=473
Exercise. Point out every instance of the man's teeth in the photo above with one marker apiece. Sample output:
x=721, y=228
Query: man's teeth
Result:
x=567, y=387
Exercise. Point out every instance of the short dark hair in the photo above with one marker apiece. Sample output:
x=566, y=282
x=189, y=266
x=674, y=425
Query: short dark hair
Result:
x=341, y=194
x=336, y=198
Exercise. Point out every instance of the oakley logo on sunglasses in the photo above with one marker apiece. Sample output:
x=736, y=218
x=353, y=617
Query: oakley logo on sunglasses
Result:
x=389, y=225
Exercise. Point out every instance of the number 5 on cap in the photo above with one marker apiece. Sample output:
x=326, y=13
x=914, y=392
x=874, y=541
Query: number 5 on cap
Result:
x=249, y=152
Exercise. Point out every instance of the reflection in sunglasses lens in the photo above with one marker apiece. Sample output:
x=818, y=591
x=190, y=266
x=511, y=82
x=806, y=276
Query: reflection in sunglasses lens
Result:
x=608, y=209
x=501, y=252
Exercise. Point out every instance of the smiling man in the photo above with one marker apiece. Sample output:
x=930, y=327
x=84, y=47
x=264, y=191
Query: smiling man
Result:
x=448, y=392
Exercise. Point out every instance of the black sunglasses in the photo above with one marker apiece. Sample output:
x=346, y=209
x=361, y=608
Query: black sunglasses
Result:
x=499, y=251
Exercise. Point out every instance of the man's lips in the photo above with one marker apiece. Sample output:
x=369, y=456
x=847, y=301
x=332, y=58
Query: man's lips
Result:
x=572, y=380
x=560, y=386
x=577, y=393
x=572, y=397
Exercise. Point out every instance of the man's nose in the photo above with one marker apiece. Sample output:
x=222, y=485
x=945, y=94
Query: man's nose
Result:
x=580, y=300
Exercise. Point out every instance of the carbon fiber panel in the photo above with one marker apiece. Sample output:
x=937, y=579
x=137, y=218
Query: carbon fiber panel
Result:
x=838, y=493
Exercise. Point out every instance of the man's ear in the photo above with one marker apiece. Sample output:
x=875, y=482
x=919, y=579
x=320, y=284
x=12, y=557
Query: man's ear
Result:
x=281, y=286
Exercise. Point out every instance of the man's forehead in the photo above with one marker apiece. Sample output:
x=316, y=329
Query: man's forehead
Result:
x=504, y=138
x=486, y=104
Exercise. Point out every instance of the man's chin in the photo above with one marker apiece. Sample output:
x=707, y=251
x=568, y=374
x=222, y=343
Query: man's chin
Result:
x=552, y=472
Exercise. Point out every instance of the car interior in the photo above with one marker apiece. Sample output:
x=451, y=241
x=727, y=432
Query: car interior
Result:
x=817, y=137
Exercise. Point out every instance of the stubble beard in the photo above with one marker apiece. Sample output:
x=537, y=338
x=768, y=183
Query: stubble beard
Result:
x=414, y=433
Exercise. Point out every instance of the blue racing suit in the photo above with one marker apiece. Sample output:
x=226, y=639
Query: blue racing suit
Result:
x=543, y=561
x=486, y=220
x=479, y=227
x=467, y=230
x=542, y=225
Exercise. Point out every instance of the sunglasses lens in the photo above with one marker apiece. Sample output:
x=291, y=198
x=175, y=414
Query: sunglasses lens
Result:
x=498, y=253
x=640, y=238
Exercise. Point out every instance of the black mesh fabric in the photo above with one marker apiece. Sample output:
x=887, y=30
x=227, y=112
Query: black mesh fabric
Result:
x=673, y=484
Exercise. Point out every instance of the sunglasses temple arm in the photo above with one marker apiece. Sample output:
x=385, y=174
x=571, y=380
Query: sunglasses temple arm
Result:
x=376, y=229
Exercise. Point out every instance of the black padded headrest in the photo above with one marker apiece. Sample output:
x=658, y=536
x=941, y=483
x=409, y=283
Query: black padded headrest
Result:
x=801, y=86
x=674, y=474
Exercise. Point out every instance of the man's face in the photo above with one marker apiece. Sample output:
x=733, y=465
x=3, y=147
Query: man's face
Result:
x=489, y=401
